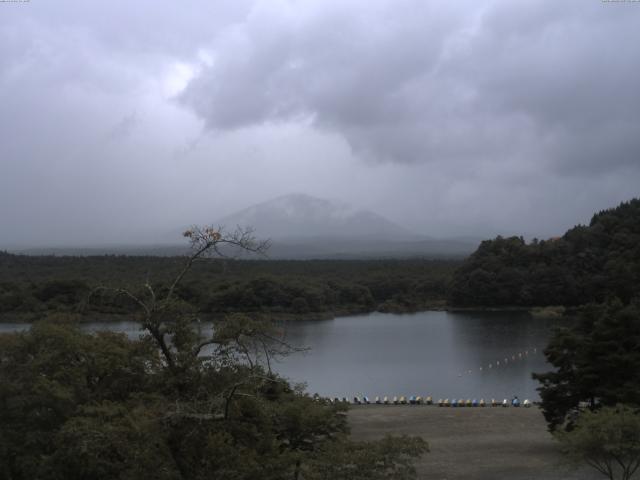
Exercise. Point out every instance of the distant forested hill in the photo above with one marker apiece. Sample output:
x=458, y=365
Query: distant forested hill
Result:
x=587, y=264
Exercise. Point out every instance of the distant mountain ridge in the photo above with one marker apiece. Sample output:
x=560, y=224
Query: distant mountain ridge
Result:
x=300, y=216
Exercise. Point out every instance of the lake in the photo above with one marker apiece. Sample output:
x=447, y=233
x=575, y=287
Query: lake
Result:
x=443, y=354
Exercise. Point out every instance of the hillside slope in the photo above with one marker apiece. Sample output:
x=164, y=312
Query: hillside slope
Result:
x=587, y=264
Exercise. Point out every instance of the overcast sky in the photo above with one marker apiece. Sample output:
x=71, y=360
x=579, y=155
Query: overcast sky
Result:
x=121, y=120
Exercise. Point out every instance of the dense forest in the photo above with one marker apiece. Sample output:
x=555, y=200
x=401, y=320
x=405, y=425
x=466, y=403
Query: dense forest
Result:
x=587, y=264
x=34, y=285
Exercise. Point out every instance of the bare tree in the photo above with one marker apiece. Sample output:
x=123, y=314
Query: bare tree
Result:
x=238, y=343
x=164, y=316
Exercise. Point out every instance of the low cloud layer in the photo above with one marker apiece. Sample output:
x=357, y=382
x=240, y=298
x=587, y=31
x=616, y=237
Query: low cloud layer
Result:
x=122, y=120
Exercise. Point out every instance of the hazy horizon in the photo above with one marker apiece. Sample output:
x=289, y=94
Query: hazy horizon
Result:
x=123, y=121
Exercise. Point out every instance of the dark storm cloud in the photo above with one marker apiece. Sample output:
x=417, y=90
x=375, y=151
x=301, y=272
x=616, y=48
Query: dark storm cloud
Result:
x=549, y=82
x=120, y=120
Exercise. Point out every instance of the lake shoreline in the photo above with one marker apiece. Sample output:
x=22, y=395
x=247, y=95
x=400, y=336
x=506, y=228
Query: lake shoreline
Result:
x=535, y=312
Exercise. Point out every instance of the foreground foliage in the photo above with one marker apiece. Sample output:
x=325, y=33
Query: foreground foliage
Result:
x=75, y=405
x=607, y=440
x=596, y=360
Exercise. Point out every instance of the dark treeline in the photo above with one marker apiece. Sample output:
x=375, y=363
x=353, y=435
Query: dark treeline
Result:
x=587, y=264
x=35, y=285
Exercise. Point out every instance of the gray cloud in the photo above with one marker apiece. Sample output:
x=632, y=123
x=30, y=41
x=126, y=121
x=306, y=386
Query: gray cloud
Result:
x=409, y=82
x=121, y=120
x=123, y=128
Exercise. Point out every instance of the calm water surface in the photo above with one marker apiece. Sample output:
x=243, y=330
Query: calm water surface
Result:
x=429, y=353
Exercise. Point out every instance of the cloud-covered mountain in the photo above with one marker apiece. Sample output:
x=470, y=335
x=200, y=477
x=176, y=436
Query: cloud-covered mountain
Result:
x=302, y=226
x=302, y=217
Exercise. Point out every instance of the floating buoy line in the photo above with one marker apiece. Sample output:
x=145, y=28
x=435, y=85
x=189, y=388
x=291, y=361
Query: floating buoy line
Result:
x=503, y=362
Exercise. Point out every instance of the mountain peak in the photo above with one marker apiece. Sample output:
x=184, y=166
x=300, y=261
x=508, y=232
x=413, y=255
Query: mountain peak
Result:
x=299, y=215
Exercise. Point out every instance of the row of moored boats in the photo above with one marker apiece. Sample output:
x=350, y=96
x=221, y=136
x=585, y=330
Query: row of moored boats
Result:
x=418, y=400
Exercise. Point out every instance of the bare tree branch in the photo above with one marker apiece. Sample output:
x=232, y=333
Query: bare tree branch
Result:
x=161, y=313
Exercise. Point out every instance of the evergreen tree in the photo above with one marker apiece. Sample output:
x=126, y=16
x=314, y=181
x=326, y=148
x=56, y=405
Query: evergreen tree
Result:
x=597, y=363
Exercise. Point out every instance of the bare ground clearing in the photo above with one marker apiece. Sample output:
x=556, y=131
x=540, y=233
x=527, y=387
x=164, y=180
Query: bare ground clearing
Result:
x=472, y=443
